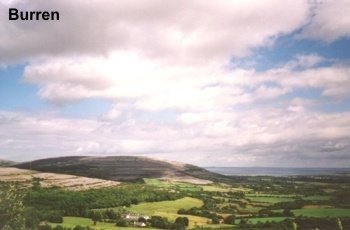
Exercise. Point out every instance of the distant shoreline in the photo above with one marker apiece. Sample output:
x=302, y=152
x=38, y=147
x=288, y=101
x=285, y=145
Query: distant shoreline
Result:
x=277, y=171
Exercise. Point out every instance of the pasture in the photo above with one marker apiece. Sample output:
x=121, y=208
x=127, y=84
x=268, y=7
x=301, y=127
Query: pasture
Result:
x=166, y=184
x=317, y=197
x=71, y=222
x=169, y=209
x=256, y=220
x=270, y=198
x=322, y=212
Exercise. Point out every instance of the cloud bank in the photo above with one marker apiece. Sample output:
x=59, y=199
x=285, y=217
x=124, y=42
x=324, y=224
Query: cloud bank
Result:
x=166, y=70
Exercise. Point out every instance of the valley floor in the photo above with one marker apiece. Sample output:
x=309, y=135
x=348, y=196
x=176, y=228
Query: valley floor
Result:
x=233, y=203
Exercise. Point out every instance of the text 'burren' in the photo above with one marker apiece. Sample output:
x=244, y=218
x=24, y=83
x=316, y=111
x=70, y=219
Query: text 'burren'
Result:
x=15, y=14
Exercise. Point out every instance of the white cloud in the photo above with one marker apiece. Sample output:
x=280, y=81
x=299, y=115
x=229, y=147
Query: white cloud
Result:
x=233, y=139
x=176, y=31
x=330, y=22
x=305, y=61
x=333, y=81
x=154, y=56
x=154, y=86
x=149, y=84
x=206, y=102
x=269, y=92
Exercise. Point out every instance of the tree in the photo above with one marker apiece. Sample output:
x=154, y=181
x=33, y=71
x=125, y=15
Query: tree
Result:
x=230, y=219
x=121, y=223
x=31, y=216
x=58, y=227
x=243, y=222
x=287, y=212
x=134, y=201
x=181, y=223
x=78, y=227
x=96, y=216
x=215, y=220
x=36, y=184
x=142, y=219
x=182, y=211
x=11, y=207
x=159, y=222
x=110, y=214
x=53, y=217
x=265, y=212
x=45, y=227
x=177, y=226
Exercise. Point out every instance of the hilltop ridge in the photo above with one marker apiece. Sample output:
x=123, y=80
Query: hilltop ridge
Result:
x=4, y=163
x=121, y=168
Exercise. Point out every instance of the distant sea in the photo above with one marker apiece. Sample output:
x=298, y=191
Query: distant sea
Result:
x=266, y=171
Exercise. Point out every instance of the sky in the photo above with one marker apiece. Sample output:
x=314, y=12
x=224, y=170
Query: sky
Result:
x=262, y=83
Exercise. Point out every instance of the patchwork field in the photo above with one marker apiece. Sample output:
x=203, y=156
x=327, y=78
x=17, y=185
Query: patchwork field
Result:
x=71, y=222
x=169, y=209
x=317, y=197
x=265, y=219
x=322, y=212
x=216, y=188
x=269, y=199
x=47, y=180
x=168, y=184
x=150, y=208
x=249, y=203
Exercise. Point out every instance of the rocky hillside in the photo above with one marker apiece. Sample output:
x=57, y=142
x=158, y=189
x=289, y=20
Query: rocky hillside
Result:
x=121, y=168
x=26, y=177
x=4, y=163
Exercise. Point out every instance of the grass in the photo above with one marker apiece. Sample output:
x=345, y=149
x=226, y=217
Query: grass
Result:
x=215, y=188
x=186, y=186
x=270, y=199
x=71, y=222
x=150, y=208
x=169, y=209
x=322, y=212
x=172, y=185
x=157, y=182
x=264, y=219
x=241, y=189
x=270, y=195
x=251, y=208
x=317, y=197
x=218, y=226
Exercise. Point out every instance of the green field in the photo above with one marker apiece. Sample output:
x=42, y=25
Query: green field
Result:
x=270, y=195
x=169, y=209
x=172, y=185
x=150, y=208
x=264, y=219
x=317, y=197
x=158, y=182
x=322, y=212
x=215, y=188
x=270, y=199
x=186, y=186
x=71, y=222
x=255, y=202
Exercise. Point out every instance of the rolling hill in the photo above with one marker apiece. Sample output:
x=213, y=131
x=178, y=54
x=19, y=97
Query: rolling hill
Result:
x=5, y=163
x=121, y=168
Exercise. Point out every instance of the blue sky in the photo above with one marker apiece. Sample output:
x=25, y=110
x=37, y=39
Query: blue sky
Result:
x=14, y=93
x=286, y=48
x=264, y=84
